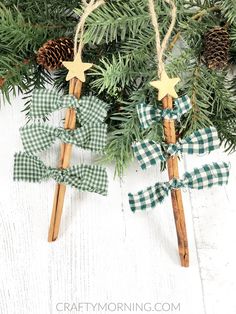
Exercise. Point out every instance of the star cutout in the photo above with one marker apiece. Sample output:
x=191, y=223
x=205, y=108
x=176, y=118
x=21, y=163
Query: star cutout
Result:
x=76, y=68
x=166, y=86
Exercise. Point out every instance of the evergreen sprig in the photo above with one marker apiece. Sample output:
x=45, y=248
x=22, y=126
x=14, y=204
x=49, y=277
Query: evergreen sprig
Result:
x=115, y=21
x=133, y=66
x=229, y=10
x=120, y=40
x=24, y=27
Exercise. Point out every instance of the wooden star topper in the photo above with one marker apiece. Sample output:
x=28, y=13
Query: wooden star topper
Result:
x=76, y=68
x=166, y=86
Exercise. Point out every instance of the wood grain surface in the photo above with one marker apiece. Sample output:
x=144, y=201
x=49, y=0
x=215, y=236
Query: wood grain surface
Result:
x=104, y=252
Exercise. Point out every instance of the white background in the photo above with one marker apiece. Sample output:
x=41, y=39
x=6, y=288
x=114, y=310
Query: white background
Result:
x=105, y=253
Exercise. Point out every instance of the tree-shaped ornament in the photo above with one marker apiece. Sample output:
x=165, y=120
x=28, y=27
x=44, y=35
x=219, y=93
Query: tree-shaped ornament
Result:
x=76, y=74
x=90, y=113
x=149, y=153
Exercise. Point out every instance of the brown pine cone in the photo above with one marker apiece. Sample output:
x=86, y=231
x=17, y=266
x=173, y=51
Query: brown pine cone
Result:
x=53, y=52
x=216, y=48
x=2, y=81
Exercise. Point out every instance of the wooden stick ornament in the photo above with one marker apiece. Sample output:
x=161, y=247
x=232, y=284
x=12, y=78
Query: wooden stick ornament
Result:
x=166, y=93
x=76, y=76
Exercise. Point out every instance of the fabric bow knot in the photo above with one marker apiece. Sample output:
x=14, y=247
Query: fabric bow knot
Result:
x=58, y=176
x=89, y=108
x=175, y=184
x=38, y=137
x=173, y=149
x=149, y=114
x=204, y=177
x=149, y=153
x=90, y=178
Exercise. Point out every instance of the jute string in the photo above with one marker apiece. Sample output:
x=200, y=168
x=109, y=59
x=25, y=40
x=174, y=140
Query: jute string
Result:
x=89, y=7
x=161, y=46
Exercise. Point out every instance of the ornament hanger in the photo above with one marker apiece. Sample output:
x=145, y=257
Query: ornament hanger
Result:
x=166, y=90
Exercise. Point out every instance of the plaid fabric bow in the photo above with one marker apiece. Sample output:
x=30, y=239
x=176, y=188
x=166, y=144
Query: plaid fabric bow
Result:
x=38, y=137
x=91, y=178
x=148, y=114
x=149, y=153
x=204, y=177
x=89, y=108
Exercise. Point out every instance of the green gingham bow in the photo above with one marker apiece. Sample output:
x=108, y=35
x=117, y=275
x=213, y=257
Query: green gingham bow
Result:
x=148, y=153
x=38, y=137
x=149, y=114
x=204, y=177
x=91, y=178
x=89, y=108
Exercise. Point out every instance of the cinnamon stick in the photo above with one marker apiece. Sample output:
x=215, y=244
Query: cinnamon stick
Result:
x=176, y=195
x=66, y=149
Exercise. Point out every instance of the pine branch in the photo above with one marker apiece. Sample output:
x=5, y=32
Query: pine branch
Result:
x=22, y=32
x=16, y=34
x=45, y=13
x=227, y=132
x=116, y=20
x=134, y=67
x=211, y=98
x=113, y=75
x=229, y=10
x=120, y=41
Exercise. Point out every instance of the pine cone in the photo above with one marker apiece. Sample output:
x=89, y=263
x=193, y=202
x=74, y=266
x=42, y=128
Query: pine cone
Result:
x=216, y=48
x=53, y=52
x=2, y=81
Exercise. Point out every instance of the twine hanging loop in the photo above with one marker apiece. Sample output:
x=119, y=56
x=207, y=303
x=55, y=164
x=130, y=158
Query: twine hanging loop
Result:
x=161, y=46
x=89, y=7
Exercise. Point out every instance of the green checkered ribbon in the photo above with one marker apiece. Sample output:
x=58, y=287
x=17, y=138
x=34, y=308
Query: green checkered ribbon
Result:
x=90, y=178
x=38, y=137
x=148, y=114
x=149, y=153
x=204, y=177
x=89, y=108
